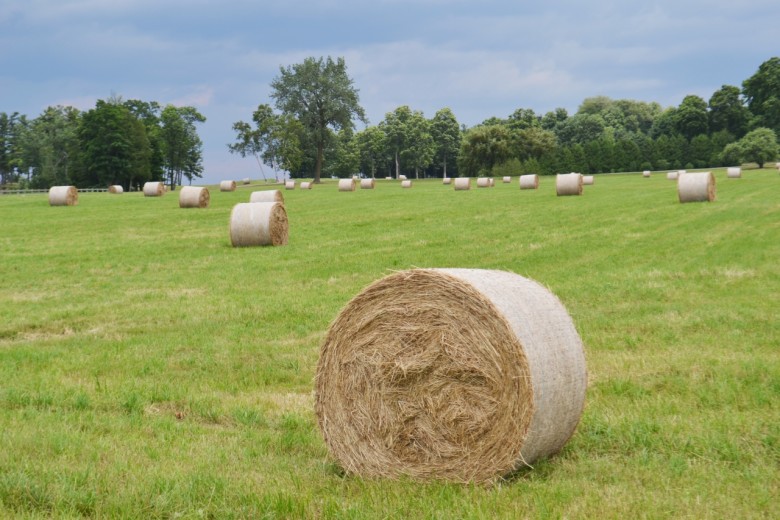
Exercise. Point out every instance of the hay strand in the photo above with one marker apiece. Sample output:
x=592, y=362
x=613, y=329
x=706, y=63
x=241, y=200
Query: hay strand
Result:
x=116, y=189
x=194, y=197
x=347, y=184
x=367, y=184
x=455, y=374
x=258, y=224
x=696, y=187
x=462, y=183
x=63, y=196
x=568, y=184
x=227, y=186
x=406, y=184
x=734, y=172
x=267, y=196
x=154, y=189
x=529, y=182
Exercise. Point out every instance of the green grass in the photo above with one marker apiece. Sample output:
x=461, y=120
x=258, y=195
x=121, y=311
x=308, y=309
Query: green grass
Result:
x=150, y=370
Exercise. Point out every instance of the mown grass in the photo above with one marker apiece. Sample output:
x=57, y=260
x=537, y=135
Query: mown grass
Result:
x=150, y=370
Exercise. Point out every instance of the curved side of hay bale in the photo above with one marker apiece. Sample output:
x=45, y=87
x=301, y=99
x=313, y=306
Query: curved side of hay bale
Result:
x=646, y=173
x=672, y=176
x=406, y=184
x=305, y=185
x=587, y=180
x=446, y=180
x=529, y=182
x=258, y=224
x=483, y=182
x=696, y=187
x=245, y=180
x=367, y=184
x=154, y=189
x=266, y=196
x=462, y=183
x=227, y=186
x=289, y=185
x=455, y=374
x=194, y=197
x=568, y=184
x=347, y=184
x=734, y=172
x=63, y=196
x=506, y=180
x=116, y=189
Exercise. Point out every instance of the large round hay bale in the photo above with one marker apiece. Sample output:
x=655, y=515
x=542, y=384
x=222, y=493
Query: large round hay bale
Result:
x=506, y=179
x=227, y=186
x=529, y=182
x=587, y=180
x=646, y=173
x=347, y=184
x=456, y=374
x=446, y=180
x=568, y=184
x=289, y=185
x=483, y=182
x=367, y=184
x=63, y=196
x=258, y=224
x=306, y=185
x=116, y=189
x=406, y=184
x=266, y=196
x=672, y=176
x=194, y=197
x=734, y=172
x=696, y=187
x=154, y=189
x=463, y=183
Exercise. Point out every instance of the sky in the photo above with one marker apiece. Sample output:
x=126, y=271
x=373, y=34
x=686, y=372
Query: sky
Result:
x=481, y=58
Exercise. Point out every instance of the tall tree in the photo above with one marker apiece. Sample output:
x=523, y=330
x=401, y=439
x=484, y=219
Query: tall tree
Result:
x=10, y=128
x=372, y=147
x=396, y=126
x=182, y=147
x=49, y=147
x=483, y=147
x=319, y=93
x=420, y=148
x=759, y=146
x=691, y=117
x=762, y=93
x=727, y=112
x=446, y=135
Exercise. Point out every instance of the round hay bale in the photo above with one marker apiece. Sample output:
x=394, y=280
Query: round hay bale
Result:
x=446, y=180
x=356, y=178
x=587, y=180
x=194, y=197
x=529, y=182
x=734, y=172
x=116, y=189
x=456, y=374
x=227, y=186
x=462, y=183
x=483, y=182
x=63, y=196
x=289, y=185
x=646, y=173
x=402, y=177
x=347, y=184
x=506, y=180
x=258, y=224
x=672, y=176
x=267, y=196
x=305, y=185
x=492, y=182
x=245, y=180
x=154, y=189
x=696, y=187
x=568, y=184
x=406, y=184
x=367, y=184
x=388, y=178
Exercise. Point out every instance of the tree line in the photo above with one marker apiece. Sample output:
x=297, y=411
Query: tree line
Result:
x=117, y=142
x=312, y=132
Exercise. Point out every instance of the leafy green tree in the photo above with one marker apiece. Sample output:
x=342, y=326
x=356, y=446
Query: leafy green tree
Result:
x=552, y=119
x=320, y=95
x=700, y=151
x=11, y=125
x=148, y=112
x=523, y=118
x=420, y=147
x=343, y=156
x=727, y=112
x=396, y=129
x=182, y=147
x=532, y=142
x=48, y=147
x=581, y=128
x=762, y=93
x=759, y=146
x=665, y=124
x=372, y=148
x=446, y=135
x=483, y=147
x=691, y=117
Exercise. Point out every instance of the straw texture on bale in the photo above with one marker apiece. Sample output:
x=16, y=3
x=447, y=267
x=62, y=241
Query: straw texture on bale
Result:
x=456, y=374
x=63, y=196
x=116, y=188
x=568, y=184
x=672, y=176
x=194, y=197
x=646, y=173
x=367, y=184
x=463, y=183
x=347, y=184
x=506, y=180
x=587, y=180
x=696, y=187
x=734, y=172
x=483, y=182
x=154, y=189
x=266, y=196
x=446, y=180
x=258, y=224
x=227, y=186
x=529, y=182
x=406, y=184
x=305, y=185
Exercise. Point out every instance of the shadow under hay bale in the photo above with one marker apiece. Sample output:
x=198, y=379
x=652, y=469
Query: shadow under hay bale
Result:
x=456, y=374
x=194, y=197
x=258, y=224
x=696, y=187
x=63, y=196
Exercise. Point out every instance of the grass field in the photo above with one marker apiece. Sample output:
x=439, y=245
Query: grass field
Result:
x=150, y=370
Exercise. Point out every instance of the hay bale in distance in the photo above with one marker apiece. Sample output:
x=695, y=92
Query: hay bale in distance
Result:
x=116, y=189
x=672, y=176
x=402, y=177
x=406, y=184
x=568, y=184
x=455, y=374
x=646, y=173
x=462, y=183
x=696, y=187
x=483, y=182
x=63, y=196
x=154, y=189
x=367, y=184
x=347, y=184
x=194, y=197
x=258, y=224
x=734, y=172
x=305, y=185
x=529, y=182
x=267, y=196
x=587, y=180
x=289, y=185
x=446, y=180
x=506, y=180
x=245, y=180
x=227, y=186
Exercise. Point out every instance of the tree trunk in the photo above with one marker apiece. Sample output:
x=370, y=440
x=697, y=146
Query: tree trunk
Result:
x=416, y=173
x=445, y=166
x=318, y=167
x=397, y=166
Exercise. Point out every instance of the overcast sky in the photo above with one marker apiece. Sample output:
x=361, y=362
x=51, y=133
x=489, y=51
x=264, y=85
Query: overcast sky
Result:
x=480, y=58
